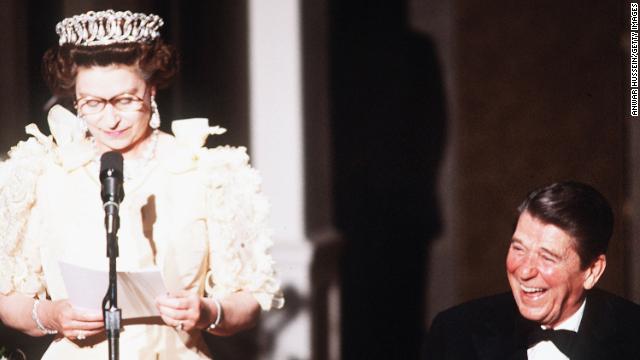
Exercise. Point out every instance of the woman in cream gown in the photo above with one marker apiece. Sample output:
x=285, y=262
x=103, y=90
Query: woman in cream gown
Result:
x=196, y=214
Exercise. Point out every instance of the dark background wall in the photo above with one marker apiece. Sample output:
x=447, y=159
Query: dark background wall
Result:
x=540, y=99
x=443, y=115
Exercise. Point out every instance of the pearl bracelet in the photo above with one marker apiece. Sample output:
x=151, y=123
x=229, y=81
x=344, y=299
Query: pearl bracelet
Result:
x=36, y=319
x=216, y=323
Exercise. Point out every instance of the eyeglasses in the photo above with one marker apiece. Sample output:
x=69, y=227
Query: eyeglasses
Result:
x=91, y=105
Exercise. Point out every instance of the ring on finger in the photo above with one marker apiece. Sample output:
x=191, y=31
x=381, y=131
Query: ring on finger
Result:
x=180, y=326
x=81, y=335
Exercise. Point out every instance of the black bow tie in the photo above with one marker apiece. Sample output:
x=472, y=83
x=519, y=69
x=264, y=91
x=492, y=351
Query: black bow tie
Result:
x=562, y=339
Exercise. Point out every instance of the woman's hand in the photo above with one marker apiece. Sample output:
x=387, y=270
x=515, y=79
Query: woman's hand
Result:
x=184, y=310
x=71, y=322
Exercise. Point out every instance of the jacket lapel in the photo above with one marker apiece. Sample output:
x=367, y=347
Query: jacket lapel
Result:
x=597, y=328
x=502, y=335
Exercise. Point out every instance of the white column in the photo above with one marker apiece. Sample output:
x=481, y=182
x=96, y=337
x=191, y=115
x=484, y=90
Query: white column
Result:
x=276, y=104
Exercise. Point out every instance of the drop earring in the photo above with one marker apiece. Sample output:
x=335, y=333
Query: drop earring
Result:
x=82, y=123
x=154, y=121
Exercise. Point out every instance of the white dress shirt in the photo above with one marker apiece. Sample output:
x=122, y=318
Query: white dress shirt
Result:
x=546, y=350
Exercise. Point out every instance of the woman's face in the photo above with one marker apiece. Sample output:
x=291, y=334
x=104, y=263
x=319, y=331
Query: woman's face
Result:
x=123, y=123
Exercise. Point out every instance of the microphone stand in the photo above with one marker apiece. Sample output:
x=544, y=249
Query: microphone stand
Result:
x=112, y=314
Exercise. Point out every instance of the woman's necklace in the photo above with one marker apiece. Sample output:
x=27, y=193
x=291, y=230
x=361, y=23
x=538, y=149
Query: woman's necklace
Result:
x=133, y=168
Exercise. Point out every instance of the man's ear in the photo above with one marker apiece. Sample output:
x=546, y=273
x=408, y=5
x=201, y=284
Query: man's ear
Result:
x=593, y=273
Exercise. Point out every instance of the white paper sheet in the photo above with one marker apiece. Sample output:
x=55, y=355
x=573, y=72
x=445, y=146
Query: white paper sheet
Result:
x=137, y=290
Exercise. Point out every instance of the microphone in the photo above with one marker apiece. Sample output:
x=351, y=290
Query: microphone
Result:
x=111, y=166
x=112, y=193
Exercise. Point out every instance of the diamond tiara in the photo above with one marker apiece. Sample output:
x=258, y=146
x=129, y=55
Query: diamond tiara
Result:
x=108, y=27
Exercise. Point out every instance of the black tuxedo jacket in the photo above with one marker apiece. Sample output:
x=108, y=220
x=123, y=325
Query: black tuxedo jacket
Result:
x=492, y=328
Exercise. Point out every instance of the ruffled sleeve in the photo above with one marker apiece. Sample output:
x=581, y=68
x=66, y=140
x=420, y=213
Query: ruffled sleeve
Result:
x=239, y=236
x=237, y=218
x=20, y=269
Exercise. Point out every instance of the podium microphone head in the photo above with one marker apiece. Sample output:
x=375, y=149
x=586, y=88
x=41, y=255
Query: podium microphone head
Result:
x=111, y=178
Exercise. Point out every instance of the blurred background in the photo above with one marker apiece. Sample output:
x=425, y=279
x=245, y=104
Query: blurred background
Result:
x=395, y=138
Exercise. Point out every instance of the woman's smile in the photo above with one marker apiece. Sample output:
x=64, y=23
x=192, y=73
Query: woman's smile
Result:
x=115, y=133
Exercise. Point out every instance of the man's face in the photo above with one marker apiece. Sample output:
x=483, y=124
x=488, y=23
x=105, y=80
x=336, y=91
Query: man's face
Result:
x=544, y=272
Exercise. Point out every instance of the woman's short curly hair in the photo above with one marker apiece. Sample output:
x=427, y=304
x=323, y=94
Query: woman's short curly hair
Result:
x=157, y=62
